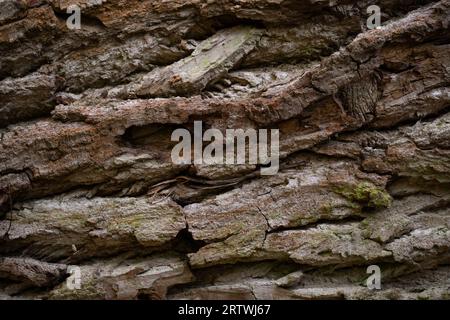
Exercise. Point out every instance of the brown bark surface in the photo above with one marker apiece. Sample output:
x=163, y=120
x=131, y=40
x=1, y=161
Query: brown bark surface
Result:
x=87, y=180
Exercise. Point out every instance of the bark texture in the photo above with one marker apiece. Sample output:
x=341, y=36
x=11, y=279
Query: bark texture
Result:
x=87, y=181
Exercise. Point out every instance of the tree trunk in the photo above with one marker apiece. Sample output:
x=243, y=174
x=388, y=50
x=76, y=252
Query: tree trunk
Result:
x=87, y=181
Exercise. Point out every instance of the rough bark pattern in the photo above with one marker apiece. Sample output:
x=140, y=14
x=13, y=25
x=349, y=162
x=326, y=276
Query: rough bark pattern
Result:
x=86, y=177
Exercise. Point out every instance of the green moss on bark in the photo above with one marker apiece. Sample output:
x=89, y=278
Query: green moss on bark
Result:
x=367, y=194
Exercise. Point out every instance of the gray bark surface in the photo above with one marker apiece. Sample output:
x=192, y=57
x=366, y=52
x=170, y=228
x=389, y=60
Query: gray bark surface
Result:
x=87, y=180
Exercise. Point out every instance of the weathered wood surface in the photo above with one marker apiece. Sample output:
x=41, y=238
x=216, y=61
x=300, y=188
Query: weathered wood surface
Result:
x=86, y=177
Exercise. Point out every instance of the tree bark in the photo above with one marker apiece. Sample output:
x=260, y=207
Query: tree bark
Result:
x=87, y=179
